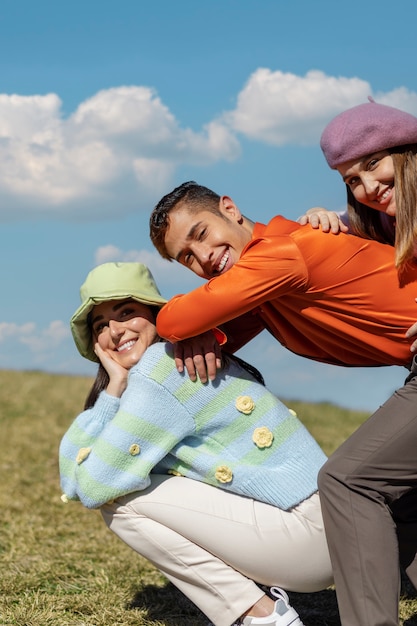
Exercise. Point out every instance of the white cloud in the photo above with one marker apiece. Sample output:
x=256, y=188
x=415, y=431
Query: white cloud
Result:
x=120, y=148
x=11, y=330
x=402, y=98
x=41, y=342
x=47, y=339
x=121, y=137
x=280, y=108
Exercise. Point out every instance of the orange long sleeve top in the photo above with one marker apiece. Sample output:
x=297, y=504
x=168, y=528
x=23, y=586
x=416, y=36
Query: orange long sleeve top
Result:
x=334, y=299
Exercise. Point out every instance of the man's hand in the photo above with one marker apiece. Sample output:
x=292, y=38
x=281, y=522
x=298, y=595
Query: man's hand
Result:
x=200, y=355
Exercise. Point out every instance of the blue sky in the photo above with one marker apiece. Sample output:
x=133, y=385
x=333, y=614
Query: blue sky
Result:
x=106, y=106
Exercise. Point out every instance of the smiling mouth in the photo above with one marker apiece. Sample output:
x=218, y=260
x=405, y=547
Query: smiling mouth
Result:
x=126, y=346
x=386, y=193
x=220, y=267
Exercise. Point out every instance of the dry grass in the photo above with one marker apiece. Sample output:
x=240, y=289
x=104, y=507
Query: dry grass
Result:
x=59, y=565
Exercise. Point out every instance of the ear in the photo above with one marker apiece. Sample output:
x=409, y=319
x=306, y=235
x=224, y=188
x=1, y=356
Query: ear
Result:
x=229, y=208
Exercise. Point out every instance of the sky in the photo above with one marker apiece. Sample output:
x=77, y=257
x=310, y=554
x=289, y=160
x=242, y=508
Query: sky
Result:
x=106, y=106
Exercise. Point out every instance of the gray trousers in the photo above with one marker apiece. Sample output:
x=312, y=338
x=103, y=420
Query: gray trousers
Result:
x=368, y=492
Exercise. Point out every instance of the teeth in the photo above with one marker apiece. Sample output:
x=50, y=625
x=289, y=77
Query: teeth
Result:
x=386, y=194
x=223, y=262
x=126, y=346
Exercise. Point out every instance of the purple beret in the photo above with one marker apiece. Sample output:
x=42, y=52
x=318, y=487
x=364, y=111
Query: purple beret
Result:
x=365, y=129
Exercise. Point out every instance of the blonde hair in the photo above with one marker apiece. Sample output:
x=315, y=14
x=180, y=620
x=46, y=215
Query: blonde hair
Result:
x=365, y=223
x=405, y=173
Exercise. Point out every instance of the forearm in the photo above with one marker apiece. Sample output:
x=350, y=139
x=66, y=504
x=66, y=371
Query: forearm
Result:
x=241, y=330
x=217, y=304
x=116, y=460
x=268, y=270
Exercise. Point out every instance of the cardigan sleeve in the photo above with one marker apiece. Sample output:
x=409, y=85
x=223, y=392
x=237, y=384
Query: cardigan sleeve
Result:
x=102, y=458
x=82, y=433
x=88, y=425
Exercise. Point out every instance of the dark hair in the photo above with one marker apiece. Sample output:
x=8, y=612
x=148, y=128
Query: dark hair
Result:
x=197, y=198
x=251, y=369
x=100, y=383
x=102, y=378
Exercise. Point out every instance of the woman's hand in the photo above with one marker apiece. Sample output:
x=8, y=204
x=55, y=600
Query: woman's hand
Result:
x=330, y=221
x=117, y=374
x=199, y=355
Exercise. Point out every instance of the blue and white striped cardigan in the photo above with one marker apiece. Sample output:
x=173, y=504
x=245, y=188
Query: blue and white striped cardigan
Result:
x=232, y=433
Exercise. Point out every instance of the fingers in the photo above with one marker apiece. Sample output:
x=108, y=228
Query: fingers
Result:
x=411, y=332
x=196, y=364
x=328, y=221
x=179, y=356
x=199, y=356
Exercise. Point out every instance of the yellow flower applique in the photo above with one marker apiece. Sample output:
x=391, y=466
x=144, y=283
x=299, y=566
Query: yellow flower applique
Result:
x=293, y=412
x=174, y=472
x=224, y=474
x=134, y=449
x=263, y=437
x=245, y=404
x=82, y=455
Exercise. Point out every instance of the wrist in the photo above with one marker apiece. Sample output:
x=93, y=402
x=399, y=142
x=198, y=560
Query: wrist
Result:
x=117, y=387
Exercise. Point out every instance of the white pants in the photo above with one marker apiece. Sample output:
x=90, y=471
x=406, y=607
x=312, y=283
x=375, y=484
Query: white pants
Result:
x=213, y=544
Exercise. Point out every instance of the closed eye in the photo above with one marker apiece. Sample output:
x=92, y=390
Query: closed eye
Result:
x=187, y=258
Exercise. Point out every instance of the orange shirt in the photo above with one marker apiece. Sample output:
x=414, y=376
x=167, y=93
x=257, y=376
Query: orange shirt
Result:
x=335, y=299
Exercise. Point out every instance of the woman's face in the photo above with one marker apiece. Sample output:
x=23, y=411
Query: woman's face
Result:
x=124, y=328
x=371, y=180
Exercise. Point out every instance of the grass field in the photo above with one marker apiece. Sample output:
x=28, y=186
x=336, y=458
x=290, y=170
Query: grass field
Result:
x=59, y=565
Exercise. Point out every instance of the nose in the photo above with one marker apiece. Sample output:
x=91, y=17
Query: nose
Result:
x=370, y=185
x=205, y=254
x=116, y=329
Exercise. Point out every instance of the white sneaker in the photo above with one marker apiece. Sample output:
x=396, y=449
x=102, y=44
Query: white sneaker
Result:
x=283, y=615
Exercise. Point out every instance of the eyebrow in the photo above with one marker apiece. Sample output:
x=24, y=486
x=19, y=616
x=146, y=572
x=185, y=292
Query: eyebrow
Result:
x=188, y=236
x=362, y=161
x=115, y=308
x=350, y=175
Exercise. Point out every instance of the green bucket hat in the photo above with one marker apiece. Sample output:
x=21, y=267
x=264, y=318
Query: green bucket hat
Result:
x=111, y=281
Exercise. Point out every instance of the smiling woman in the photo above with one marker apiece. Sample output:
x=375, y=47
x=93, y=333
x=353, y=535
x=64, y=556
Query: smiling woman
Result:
x=367, y=487
x=374, y=148
x=179, y=467
x=122, y=331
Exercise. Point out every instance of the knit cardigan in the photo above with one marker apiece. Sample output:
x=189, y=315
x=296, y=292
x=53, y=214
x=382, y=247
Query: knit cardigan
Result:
x=232, y=433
